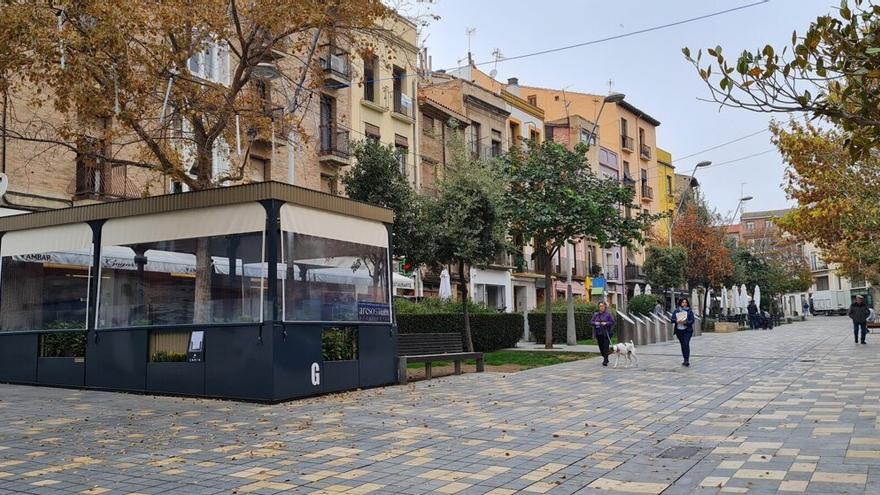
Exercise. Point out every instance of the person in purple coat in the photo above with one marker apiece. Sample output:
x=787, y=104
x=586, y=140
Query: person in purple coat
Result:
x=603, y=329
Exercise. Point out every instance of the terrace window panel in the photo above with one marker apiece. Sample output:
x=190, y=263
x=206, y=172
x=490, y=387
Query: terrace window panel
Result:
x=336, y=268
x=44, y=278
x=189, y=267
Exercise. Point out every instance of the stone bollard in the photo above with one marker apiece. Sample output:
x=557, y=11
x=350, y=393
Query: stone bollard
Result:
x=698, y=326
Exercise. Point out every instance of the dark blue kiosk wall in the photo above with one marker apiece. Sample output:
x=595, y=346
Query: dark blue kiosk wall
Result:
x=136, y=328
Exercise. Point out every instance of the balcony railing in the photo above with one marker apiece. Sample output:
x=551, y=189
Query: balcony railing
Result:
x=634, y=272
x=403, y=105
x=335, y=62
x=334, y=141
x=647, y=191
x=626, y=143
x=820, y=266
x=645, y=151
x=103, y=182
x=612, y=272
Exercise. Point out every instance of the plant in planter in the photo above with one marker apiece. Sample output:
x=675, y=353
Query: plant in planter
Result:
x=63, y=344
x=339, y=344
x=168, y=357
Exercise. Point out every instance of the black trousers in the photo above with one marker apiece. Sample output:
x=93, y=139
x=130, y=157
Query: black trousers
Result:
x=684, y=338
x=604, y=345
x=860, y=326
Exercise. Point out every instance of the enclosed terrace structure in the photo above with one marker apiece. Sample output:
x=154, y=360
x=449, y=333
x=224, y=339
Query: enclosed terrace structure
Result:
x=260, y=292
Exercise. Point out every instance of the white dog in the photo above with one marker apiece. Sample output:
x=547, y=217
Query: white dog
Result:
x=628, y=351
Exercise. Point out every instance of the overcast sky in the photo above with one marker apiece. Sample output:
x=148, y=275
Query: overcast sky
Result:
x=649, y=68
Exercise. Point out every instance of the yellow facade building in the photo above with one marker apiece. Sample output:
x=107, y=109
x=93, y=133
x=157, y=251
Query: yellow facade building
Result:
x=665, y=189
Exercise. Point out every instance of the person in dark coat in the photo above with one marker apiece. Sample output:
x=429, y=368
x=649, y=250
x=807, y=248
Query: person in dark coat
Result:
x=683, y=319
x=753, y=314
x=603, y=328
x=859, y=313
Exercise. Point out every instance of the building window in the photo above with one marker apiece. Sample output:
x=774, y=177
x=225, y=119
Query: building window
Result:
x=624, y=131
x=328, y=184
x=401, y=145
x=669, y=185
x=626, y=172
x=644, y=176
x=588, y=138
x=327, y=122
x=534, y=136
x=212, y=63
x=370, y=71
x=641, y=136
x=496, y=143
x=427, y=124
x=474, y=139
x=513, y=142
x=822, y=283
x=750, y=225
x=90, y=173
x=372, y=132
x=533, y=100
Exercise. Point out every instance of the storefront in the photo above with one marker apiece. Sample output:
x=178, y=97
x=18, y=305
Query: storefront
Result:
x=259, y=292
x=492, y=288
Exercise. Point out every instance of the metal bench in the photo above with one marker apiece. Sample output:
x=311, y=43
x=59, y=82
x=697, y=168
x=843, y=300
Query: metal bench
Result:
x=431, y=347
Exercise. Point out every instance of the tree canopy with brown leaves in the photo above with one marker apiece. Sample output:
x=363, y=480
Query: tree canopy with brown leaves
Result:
x=112, y=67
x=838, y=197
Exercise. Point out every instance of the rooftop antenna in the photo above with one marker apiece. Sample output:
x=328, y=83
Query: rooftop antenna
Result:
x=470, y=32
x=498, y=57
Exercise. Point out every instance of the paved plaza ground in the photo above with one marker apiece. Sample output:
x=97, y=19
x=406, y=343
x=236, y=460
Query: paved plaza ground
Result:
x=792, y=410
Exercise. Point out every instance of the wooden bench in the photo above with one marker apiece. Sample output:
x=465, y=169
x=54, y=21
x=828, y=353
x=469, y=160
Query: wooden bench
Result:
x=431, y=347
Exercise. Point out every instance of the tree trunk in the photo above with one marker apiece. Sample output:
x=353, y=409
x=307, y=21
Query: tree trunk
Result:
x=202, y=303
x=548, y=303
x=469, y=341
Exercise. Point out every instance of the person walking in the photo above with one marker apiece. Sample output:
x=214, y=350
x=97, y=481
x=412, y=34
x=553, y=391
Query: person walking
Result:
x=806, y=309
x=683, y=319
x=753, y=314
x=603, y=329
x=859, y=313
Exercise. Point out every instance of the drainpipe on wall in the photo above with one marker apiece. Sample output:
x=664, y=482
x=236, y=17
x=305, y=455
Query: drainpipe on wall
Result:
x=291, y=157
x=3, y=138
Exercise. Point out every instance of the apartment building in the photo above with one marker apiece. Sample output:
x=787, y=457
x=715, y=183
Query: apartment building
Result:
x=485, y=136
x=384, y=100
x=634, y=144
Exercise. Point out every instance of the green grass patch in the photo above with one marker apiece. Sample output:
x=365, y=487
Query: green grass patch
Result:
x=523, y=359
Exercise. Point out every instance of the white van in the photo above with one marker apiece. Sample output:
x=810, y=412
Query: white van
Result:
x=830, y=302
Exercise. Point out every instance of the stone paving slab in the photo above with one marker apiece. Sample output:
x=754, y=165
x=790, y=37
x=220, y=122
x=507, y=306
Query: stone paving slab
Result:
x=792, y=410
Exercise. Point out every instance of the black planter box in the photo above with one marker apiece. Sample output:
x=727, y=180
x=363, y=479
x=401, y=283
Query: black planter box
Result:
x=339, y=375
x=62, y=371
x=176, y=378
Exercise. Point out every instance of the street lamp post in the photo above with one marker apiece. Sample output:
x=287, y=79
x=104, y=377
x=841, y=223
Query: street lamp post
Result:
x=671, y=222
x=571, y=332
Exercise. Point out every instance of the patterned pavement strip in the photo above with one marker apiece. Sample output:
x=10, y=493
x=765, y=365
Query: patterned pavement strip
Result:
x=792, y=410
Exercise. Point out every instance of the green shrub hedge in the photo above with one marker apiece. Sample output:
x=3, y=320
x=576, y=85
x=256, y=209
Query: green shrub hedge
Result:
x=643, y=304
x=434, y=305
x=560, y=324
x=490, y=331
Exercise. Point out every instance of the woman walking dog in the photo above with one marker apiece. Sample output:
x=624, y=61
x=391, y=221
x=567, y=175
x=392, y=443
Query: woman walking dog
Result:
x=603, y=328
x=683, y=319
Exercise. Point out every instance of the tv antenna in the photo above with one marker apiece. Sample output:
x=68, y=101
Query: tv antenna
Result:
x=498, y=57
x=470, y=32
